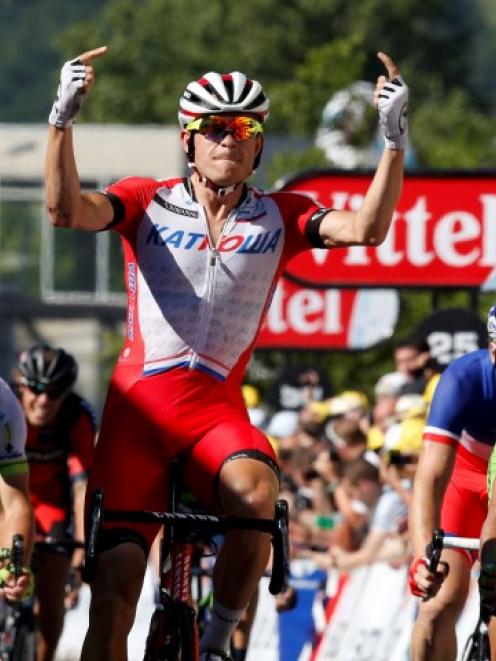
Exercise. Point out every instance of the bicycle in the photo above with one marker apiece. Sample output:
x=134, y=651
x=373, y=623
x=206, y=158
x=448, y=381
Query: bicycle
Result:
x=477, y=645
x=18, y=630
x=173, y=632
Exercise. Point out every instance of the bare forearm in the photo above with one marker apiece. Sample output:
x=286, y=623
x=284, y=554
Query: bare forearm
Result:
x=19, y=520
x=63, y=191
x=425, y=513
x=374, y=218
x=67, y=205
x=369, y=225
x=79, y=494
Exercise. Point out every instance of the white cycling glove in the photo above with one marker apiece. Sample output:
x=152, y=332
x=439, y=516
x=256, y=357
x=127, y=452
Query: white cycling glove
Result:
x=392, y=106
x=70, y=94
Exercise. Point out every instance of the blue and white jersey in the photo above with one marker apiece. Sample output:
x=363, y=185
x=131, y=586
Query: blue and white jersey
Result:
x=463, y=410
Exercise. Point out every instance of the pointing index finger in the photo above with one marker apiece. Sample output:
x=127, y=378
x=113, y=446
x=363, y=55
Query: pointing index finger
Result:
x=90, y=55
x=392, y=69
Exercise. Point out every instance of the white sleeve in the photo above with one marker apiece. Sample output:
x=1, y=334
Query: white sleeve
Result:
x=389, y=514
x=13, y=432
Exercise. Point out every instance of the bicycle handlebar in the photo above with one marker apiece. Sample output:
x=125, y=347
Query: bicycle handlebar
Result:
x=451, y=542
x=433, y=550
x=468, y=543
x=186, y=525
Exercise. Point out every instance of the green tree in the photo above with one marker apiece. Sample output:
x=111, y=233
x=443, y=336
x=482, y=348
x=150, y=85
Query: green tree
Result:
x=29, y=32
x=304, y=51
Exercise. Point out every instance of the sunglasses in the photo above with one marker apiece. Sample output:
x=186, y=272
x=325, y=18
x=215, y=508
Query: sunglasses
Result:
x=51, y=393
x=216, y=127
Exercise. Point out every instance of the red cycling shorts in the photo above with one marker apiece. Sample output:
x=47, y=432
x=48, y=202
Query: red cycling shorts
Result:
x=465, y=502
x=179, y=412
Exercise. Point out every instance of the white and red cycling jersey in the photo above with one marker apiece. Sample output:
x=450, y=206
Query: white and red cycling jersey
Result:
x=192, y=304
x=194, y=312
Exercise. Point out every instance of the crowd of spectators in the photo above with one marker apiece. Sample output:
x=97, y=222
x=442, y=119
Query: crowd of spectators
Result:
x=348, y=461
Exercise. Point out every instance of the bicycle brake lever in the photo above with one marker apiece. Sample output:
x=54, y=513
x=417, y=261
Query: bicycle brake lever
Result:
x=17, y=554
x=433, y=550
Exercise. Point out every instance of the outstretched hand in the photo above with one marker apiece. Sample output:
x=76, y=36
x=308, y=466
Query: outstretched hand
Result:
x=392, y=69
x=391, y=99
x=86, y=59
x=76, y=79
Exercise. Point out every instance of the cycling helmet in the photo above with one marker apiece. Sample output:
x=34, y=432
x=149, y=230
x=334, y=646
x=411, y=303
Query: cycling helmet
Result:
x=216, y=93
x=42, y=365
x=491, y=323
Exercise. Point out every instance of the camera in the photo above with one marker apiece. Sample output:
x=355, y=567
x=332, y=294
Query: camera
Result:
x=397, y=458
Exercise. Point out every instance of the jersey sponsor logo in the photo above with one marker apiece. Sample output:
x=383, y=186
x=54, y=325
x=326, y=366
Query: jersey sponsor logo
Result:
x=173, y=208
x=131, y=283
x=131, y=277
x=255, y=243
x=252, y=211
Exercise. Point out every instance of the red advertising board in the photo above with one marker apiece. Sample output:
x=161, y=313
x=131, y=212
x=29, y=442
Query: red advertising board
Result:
x=443, y=233
x=320, y=318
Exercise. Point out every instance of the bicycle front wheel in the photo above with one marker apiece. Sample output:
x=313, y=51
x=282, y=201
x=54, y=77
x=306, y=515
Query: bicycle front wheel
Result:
x=173, y=635
x=25, y=644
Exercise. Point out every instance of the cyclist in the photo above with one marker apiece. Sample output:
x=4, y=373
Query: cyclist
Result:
x=202, y=258
x=60, y=442
x=450, y=492
x=487, y=578
x=16, y=515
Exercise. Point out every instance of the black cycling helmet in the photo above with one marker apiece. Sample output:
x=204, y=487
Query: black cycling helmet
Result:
x=47, y=367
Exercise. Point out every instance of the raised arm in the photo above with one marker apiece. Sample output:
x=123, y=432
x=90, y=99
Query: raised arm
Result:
x=67, y=205
x=369, y=225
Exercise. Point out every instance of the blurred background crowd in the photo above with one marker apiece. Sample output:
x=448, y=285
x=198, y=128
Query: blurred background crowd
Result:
x=348, y=460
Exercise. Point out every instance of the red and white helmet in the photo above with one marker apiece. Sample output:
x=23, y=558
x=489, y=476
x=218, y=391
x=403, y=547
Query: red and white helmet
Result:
x=216, y=93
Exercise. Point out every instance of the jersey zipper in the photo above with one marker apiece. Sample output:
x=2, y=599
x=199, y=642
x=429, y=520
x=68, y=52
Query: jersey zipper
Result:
x=206, y=305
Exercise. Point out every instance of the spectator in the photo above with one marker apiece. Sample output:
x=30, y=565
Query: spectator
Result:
x=387, y=513
x=347, y=438
x=410, y=356
x=387, y=390
x=254, y=405
x=405, y=435
x=298, y=385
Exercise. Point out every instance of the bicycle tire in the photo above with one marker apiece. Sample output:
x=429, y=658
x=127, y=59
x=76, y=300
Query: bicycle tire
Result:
x=477, y=648
x=163, y=642
x=25, y=644
x=189, y=643
x=19, y=643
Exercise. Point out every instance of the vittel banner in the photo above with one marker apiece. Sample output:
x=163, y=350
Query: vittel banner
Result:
x=328, y=318
x=443, y=233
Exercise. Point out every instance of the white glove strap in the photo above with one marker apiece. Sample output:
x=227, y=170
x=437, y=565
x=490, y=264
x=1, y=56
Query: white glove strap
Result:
x=70, y=94
x=392, y=106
